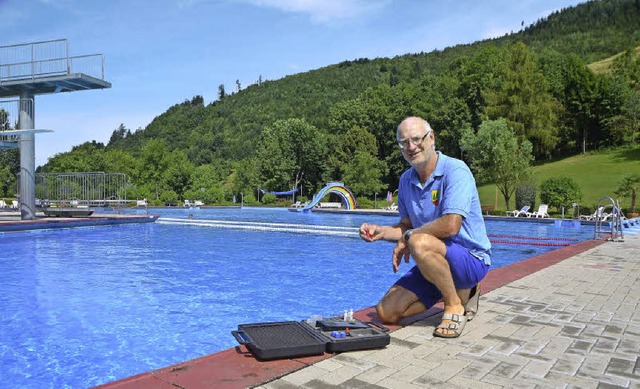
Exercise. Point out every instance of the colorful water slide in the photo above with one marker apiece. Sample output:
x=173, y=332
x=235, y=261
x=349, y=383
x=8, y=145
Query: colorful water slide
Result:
x=347, y=198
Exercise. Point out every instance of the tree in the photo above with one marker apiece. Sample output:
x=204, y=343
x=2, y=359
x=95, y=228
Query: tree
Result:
x=118, y=161
x=477, y=76
x=9, y=168
x=497, y=156
x=579, y=95
x=291, y=153
x=87, y=157
x=363, y=174
x=178, y=173
x=221, y=93
x=626, y=123
x=7, y=182
x=118, y=134
x=153, y=162
x=246, y=179
x=356, y=163
x=629, y=188
x=524, y=100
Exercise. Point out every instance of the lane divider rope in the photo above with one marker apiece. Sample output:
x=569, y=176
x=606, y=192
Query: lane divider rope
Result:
x=272, y=227
x=339, y=231
x=531, y=237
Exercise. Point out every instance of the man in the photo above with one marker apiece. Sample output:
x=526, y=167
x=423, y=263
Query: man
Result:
x=441, y=227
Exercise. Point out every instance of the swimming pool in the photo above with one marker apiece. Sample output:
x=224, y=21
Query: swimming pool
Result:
x=85, y=306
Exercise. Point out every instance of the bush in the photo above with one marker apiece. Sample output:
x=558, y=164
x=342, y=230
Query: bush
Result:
x=268, y=199
x=249, y=199
x=366, y=203
x=169, y=196
x=526, y=195
x=560, y=192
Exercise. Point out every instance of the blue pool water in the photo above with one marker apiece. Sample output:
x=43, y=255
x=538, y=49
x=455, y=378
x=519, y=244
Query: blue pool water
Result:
x=86, y=306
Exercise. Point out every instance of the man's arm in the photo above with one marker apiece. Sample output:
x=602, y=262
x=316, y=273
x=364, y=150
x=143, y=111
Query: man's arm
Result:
x=443, y=227
x=373, y=232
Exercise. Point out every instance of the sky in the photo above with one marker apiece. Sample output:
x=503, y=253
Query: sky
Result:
x=158, y=53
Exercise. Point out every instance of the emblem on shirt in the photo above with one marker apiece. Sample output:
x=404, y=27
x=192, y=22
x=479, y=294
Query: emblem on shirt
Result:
x=435, y=197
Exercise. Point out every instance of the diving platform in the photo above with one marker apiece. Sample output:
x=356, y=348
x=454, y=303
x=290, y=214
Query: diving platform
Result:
x=44, y=85
x=46, y=67
x=31, y=69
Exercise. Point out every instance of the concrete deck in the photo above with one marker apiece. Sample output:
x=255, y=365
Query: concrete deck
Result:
x=575, y=323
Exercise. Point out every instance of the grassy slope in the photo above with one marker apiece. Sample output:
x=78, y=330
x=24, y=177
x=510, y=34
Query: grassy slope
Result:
x=604, y=66
x=598, y=175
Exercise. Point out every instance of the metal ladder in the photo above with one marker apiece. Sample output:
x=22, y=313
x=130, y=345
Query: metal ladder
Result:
x=614, y=228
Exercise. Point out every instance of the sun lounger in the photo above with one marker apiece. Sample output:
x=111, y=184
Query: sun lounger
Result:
x=522, y=212
x=598, y=214
x=392, y=207
x=330, y=205
x=541, y=212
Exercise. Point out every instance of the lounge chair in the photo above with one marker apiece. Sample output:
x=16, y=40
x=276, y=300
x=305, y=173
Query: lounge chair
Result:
x=598, y=214
x=187, y=203
x=392, y=207
x=297, y=204
x=541, y=212
x=3, y=204
x=198, y=203
x=522, y=212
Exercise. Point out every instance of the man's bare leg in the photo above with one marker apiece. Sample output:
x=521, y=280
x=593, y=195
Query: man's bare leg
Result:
x=397, y=304
x=429, y=252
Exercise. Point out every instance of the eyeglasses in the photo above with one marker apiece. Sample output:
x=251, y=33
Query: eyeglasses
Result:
x=416, y=140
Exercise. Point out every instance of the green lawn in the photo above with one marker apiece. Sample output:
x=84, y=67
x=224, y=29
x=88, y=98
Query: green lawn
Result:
x=597, y=173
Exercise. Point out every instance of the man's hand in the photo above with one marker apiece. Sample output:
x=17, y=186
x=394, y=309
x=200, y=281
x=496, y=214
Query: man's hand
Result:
x=370, y=232
x=401, y=250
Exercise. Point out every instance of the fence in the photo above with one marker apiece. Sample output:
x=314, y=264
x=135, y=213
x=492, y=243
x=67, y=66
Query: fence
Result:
x=93, y=189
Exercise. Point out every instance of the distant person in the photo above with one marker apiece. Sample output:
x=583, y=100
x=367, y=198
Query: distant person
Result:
x=441, y=227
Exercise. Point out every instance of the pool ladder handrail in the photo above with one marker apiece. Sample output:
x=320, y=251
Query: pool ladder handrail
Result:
x=613, y=228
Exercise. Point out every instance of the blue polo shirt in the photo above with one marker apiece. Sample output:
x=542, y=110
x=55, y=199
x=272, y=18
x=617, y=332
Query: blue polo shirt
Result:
x=450, y=189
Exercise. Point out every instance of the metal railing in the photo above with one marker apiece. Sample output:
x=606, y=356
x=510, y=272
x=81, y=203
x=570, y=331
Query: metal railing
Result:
x=46, y=59
x=93, y=189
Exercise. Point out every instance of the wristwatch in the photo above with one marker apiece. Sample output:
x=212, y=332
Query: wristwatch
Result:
x=407, y=234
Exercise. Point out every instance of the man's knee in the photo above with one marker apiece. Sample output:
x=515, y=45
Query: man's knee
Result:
x=425, y=247
x=387, y=314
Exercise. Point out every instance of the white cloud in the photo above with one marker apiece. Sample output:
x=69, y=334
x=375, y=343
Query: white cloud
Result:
x=325, y=11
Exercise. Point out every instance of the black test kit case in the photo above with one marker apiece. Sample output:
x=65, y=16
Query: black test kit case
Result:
x=291, y=339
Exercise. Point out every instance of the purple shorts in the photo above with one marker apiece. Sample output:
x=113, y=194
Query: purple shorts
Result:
x=467, y=271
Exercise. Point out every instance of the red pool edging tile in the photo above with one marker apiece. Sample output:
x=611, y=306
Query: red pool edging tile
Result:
x=237, y=368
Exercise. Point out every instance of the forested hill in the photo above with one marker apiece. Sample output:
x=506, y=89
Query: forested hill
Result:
x=544, y=65
x=594, y=30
